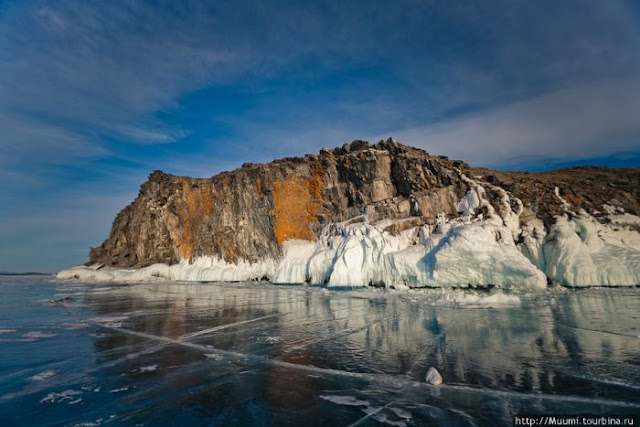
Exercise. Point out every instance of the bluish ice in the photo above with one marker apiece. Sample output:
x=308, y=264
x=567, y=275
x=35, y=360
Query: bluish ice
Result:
x=74, y=353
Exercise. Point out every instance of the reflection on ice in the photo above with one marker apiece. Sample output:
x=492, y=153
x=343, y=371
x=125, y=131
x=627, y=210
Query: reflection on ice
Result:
x=242, y=353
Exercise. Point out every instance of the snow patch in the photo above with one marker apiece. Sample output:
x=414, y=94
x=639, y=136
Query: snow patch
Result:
x=625, y=219
x=214, y=356
x=38, y=334
x=565, y=204
x=344, y=400
x=62, y=396
x=43, y=375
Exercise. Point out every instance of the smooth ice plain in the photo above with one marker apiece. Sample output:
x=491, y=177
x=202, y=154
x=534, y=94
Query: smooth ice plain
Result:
x=75, y=353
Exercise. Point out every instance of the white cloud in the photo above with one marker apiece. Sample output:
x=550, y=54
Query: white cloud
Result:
x=140, y=135
x=25, y=138
x=577, y=123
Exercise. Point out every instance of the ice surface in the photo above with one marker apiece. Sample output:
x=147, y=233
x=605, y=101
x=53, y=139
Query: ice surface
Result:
x=202, y=353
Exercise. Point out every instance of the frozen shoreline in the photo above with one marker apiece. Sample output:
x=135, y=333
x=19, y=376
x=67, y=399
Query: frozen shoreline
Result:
x=576, y=253
x=484, y=247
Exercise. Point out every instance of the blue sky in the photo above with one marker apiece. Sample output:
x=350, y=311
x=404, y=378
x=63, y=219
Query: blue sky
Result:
x=94, y=95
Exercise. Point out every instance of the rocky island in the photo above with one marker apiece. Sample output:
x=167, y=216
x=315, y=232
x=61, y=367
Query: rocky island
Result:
x=384, y=215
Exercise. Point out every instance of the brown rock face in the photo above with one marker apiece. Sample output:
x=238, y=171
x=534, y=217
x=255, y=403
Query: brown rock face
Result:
x=587, y=187
x=247, y=214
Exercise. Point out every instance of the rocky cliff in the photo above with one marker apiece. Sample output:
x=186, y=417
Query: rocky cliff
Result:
x=250, y=212
x=256, y=212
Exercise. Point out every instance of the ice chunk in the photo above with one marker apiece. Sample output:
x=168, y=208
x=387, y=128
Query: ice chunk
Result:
x=473, y=254
x=583, y=252
x=433, y=377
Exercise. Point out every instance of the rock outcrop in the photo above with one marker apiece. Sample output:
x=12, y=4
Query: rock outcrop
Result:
x=253, y=214
x=250, y=212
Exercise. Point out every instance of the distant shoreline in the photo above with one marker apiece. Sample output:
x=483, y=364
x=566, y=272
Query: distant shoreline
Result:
x=30, y=273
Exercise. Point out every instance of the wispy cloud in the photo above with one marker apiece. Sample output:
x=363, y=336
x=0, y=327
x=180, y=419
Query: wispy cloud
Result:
x=582, y=122
x=28, y=138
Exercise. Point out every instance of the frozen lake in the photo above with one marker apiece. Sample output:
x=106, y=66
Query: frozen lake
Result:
x=260, y=354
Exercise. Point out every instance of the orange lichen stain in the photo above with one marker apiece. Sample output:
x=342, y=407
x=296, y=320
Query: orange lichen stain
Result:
x=259, y=185
x=196, y=202
x=297, y=200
